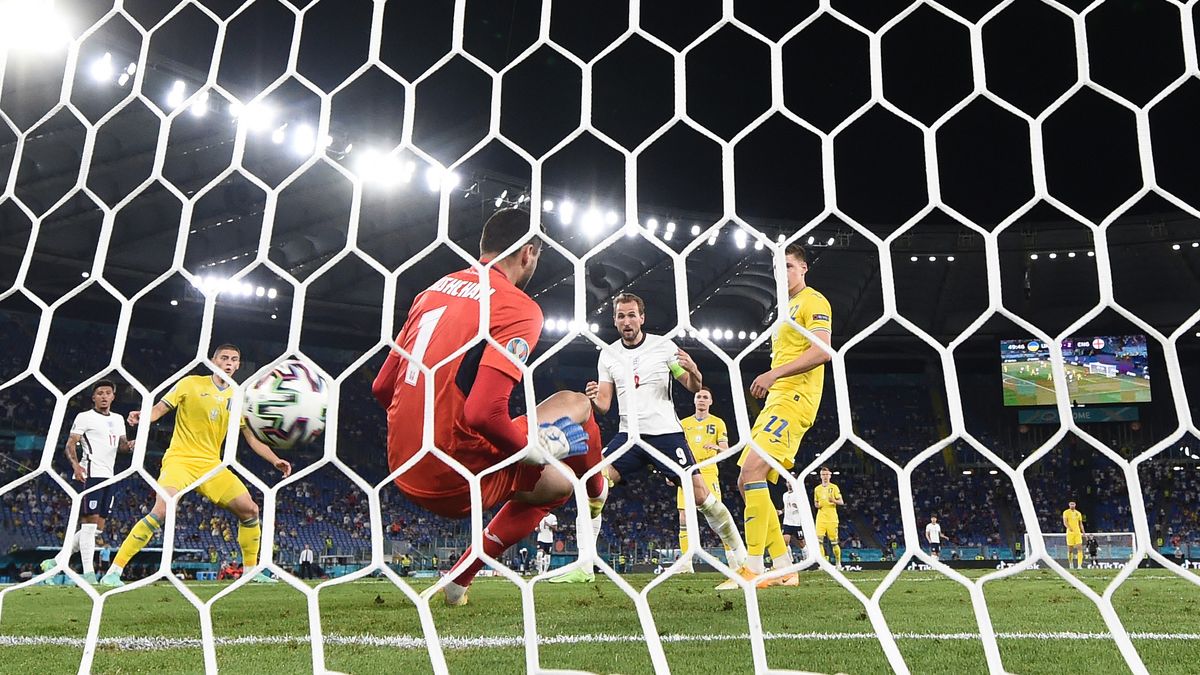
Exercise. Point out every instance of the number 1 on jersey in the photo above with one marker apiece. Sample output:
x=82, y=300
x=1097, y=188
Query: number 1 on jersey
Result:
x=429, y=321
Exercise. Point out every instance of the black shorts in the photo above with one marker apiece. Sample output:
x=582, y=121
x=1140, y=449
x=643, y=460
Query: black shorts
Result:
x=674, y=446
x=544, y=546
x=935, y=548
x=98, y=502
x=794, y=531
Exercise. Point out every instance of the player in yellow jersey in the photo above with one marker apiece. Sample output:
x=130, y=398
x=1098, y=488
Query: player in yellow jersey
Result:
x=1073, y=524
x=792, y=388
x=202, y=407
x=706, y=436
x=826, y=498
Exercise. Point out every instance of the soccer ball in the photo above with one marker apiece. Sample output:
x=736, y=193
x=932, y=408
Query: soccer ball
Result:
x=286, y=407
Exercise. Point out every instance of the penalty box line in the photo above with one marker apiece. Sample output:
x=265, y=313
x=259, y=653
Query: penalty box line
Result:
x=412, y=642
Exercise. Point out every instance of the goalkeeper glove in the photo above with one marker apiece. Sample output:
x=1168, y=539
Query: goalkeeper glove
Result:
x=559, y=439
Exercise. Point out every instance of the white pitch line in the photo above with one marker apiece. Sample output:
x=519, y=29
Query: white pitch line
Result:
x=412, y=642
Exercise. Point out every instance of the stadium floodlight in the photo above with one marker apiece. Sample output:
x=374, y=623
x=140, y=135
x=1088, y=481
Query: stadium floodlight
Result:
x=260, y=292
x=593, y=221
x=668, y=235
x=595, y=327
x=176, y=95
x=174, y=302
x=1071, y=254
x=695, y=230
x=1033, y=256
x=739, y=238
x=566, y=212
x=712, y=239
x=753, y=335
x=102, y=68
x=33, y=25
x=271, y=293
x=1196, y=244
x=433, y=178
x=548, y=206
x=829, y=241
x=670, y=226
x=631, y=229
x=123, y=79
x=780, y=239
x=611, y=218
x=131, y=68
x=741, y=335
x=1053, y=256
x=758, y=245
x=728, y=334
x=913, y=259
x=992, y=472
x=1175, y=247
x=500, y=199
x=652, y=225
x=279, y=134
x=1091, y=254
x=200, y=106
x=967, y=472
x=704, y=333
x=811, y=240
x=933, y=258
x=949, y=258
x=304, y=140
x=247, y=289
x=85, y=275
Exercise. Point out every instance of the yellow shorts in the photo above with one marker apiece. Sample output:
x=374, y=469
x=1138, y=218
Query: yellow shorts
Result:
x=1074, y=539
x=784, y=420
x=221, y=489
x=713, y=483
x=827, y=528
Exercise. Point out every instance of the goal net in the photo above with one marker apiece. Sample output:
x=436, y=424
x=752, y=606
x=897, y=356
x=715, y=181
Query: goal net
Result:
x=83, y=82
x=1110, y=546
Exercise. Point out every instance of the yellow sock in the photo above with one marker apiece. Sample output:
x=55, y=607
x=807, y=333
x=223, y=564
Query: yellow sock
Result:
x=837, y=554
x=683, y=539
x=139, y=536
x=249, y=533
x=757, y=517
x=775, y=544
x=1079, y=559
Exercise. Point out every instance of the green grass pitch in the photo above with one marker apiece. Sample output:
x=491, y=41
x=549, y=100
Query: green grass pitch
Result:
x=1029, y=383
x=818, y=626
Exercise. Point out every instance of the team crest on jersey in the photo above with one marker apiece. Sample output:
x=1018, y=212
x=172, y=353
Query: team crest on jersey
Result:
x=519, y=348
x=213, y=414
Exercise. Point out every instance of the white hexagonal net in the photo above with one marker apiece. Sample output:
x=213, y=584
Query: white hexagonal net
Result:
x=188, y=100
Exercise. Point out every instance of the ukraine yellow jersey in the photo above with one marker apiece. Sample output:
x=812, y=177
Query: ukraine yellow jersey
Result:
x=809, y=309
x=825, y=496
x=201, y=418
x=709, y=431
x=1073, y=519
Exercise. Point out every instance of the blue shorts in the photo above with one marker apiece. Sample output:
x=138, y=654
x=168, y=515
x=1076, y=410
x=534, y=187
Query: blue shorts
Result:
x=98, y=502
x=636, y=459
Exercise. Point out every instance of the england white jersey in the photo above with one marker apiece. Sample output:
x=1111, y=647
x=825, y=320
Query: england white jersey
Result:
x=99, y=437
x=545, y=529
x=933, y=533
x=791, y=508
x=649, y=391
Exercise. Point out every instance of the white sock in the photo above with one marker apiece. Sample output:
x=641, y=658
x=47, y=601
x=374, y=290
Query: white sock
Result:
x=75, y=541
x=755, y=563
x=783, y=561
x=87, y=546
x=721, y=521
x=596, y=524
x=114, y=569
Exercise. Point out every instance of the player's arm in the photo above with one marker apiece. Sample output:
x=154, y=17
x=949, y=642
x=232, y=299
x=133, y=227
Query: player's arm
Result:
x=161, y=408
x=1066, y=525
x=686, y=372
x=601, y=394
x=263, y=450
x=837, y=498
x=384, y=385
x=72, y=441
x=124, y=445
x=810, y=358
x=1082, y=527
x=486, y=410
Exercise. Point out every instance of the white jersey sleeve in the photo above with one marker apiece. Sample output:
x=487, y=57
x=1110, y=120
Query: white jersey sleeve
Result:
x=791, y=509
x=642, y=378
x=933, y=533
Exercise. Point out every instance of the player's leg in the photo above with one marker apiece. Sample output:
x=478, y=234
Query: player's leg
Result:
x=145, y=529
x=227, y=491
x=683, y=532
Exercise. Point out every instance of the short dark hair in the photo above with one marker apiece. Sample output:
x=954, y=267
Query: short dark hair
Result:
x=227, y=347
x=630, y=297
x=825, y=468
x=796, y=250
x=104, y=383
x=704, y=387
x=505, y=228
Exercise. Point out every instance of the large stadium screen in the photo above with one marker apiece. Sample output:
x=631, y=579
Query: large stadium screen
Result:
x=1100, y=369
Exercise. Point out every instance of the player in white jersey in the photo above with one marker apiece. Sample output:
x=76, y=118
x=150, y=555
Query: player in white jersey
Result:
x=791, y=518
x=545, y=542
x=100, y=434
x=933, y=535
x=640, y=368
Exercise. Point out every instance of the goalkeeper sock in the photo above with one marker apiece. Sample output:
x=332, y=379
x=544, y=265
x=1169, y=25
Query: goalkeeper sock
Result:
x=139, y=536
x=721, y=521
x=509, y=526
x=249, y=538
x=596, y=507
x=683, y=539
x=758, y=503
x=87, y=547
